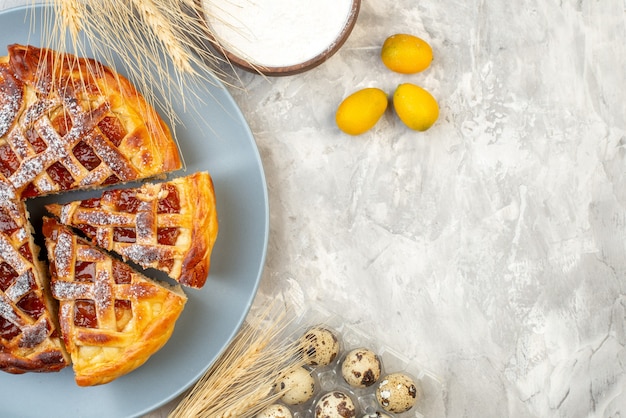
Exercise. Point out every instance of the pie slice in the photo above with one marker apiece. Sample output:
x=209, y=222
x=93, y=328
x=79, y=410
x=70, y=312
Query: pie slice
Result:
x=170, y=226
x=29, y=336
x=111, y=317
x=71, y=123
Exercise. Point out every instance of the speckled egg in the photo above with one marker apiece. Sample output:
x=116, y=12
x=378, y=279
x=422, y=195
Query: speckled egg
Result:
x=335, y=404
x=275, y=411
x=396, y=393
x=361, y=368
x=299, y=386
x=376, y=415
x=319, y=346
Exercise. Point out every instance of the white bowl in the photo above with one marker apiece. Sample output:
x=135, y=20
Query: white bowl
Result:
x=262, y=39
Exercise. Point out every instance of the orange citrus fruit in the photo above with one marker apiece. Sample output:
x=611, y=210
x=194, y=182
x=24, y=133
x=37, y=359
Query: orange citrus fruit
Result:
x=360, y=111
x=406, y=54
x=416, y=107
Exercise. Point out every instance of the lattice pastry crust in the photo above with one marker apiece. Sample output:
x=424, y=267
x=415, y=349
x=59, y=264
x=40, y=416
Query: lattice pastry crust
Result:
x=112, y=318
x=69, y=123
x=29, y=337
x=170, y=226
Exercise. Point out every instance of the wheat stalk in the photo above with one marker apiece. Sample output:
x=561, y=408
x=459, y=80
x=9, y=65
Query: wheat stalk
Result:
x=161, y=27
x=163, y=45
x=241, y=382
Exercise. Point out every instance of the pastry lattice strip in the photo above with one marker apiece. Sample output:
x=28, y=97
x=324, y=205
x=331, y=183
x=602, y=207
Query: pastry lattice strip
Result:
x=112, y=318
x=56, y=166
x=33, y=325
x=70, y=123
x=111, y=283
x=27, y=330
x=169, y=226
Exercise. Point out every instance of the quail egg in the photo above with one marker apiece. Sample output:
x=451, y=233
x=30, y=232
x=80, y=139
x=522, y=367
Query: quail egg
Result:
x=335, y=404
x=275, y=411
x=298, y=385
x=396, y=393
x=361, y=368
x=376, y=415
x=319, y=346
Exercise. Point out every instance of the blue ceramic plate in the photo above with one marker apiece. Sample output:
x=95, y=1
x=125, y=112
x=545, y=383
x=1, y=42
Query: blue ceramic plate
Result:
x=217, y=139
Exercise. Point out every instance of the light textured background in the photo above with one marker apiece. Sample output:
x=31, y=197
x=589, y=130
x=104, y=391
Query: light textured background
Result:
x=489, y=249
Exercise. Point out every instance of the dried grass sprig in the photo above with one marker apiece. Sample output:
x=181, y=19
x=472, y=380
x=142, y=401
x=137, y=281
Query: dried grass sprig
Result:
x=241, y=382
x=161, y=27
x=164, y=46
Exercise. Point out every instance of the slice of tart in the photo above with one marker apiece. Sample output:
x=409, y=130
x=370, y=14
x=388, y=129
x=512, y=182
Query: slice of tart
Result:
x=170, y=226
x=72, y=123
x=29, y=336
x=112, y=318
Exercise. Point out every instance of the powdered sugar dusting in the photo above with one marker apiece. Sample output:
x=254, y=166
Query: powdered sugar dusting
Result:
x=8, y=201
x=23, y=284
x=45, y=184
x=18, y=142
x=63, y=254
x=145, y=220
x=102, y=218
x=64, y=290
x=144, y=255
x=21, y=234
x=66, y=213
x=102, y=293
x=10, y=99
x=87, y=253
x=6, y=310
x=7, y=192
x=103, y=238
x=11, y=256
x=29, y=170
x=34, y=334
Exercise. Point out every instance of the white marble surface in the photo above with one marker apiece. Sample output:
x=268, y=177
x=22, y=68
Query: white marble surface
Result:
x=491, y=248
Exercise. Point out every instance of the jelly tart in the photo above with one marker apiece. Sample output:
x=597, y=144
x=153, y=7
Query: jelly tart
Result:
x=170, y=226
x=71, y=123
x=29, y=337
x=112, y=318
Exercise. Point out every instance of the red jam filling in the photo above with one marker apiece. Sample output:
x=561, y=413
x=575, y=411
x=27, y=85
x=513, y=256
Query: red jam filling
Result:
x=59, y=174
x=171, y=202
x=86, y=156
x=24, y=250
x=85, y=271
x=112, y=179
x=8, y=161
x=32, y=304
x=35, y=140
x=124, y=234
x=127, y=201
x=85, y=314
x=62, y=124
x=113, y=129
x=7, y=276
x=8, y=331
x=7, y=224
x=122, y=274
x=30, y=191
x=90, y=203
x=167, y=236
x=121, y=307
x=89, y=230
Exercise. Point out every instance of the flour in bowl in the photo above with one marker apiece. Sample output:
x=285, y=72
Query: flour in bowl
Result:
x=277, y=33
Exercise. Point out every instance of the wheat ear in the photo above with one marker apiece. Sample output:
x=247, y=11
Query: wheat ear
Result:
x=162, y=29
x=71, y=16
x=242, y=381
